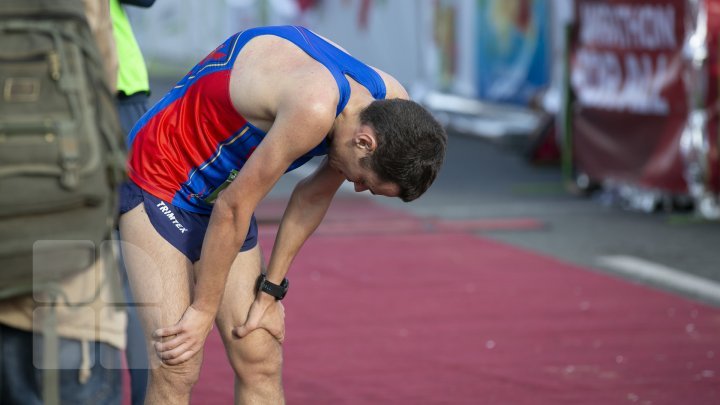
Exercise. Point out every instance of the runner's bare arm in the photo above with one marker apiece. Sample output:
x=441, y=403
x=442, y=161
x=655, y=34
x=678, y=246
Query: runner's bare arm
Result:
x=299, y=126
x=284, y=143
x=307, y=207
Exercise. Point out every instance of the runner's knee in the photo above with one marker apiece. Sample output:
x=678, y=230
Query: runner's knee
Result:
x=258, y=359
x=179, y=377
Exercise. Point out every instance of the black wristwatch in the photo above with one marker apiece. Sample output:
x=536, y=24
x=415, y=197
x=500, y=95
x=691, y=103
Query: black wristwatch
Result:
x=277, y=291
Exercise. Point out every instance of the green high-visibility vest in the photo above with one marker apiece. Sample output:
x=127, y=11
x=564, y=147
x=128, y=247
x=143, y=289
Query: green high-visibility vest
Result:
x=132, y=72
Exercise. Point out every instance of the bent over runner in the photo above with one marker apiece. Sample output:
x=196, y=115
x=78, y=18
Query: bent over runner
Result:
x=261, y=104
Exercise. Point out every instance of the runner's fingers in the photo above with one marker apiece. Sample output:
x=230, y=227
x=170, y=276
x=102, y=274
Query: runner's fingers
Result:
x=243, y=330
x=171, y=344
x=185, y=356
x=165, y=332
x=275, y=324
x=277, y=332
x=280, y=335
x=174, y=353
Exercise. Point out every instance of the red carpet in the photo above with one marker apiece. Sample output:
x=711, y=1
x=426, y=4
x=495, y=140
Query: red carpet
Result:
x=384, y=309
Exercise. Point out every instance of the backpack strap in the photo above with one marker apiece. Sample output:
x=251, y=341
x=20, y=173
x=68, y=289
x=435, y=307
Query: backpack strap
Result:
x=51, y=358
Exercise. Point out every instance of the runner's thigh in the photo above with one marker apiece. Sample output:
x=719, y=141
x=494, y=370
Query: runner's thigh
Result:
x=239, y=294
x=160, y=276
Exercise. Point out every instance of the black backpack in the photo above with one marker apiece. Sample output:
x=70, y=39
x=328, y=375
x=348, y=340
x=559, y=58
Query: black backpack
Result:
x=61, y=147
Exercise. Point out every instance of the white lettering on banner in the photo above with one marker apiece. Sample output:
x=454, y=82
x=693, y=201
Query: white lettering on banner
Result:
x=625, y=26
x=622, y=59
x=598, y=79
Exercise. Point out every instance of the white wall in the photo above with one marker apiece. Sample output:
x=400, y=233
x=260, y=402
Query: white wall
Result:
x=176, y=34
x=390, y=42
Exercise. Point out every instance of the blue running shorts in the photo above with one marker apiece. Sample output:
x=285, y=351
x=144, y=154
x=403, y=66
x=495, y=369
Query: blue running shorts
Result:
x=181, y=228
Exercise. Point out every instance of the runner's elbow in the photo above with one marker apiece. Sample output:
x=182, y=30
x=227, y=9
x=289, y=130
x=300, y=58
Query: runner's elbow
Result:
x=230, y=212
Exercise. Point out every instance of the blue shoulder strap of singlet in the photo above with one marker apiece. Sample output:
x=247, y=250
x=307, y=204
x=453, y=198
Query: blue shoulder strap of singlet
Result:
x=338, y=62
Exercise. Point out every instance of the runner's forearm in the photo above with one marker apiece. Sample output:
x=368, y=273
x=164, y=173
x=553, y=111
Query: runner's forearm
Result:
x=303, y=214
x=223, y=240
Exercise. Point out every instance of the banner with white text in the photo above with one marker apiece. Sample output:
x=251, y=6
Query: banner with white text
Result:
x=630, y=101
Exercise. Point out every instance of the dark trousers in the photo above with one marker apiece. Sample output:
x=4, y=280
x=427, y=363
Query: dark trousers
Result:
x=130, y=109
x=21, y=381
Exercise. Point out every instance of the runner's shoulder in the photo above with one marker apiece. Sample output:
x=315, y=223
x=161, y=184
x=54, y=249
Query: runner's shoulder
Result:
x=393, y=86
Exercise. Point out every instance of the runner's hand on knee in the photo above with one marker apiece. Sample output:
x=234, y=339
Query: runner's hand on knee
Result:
x=265, y=313
x=180, y=342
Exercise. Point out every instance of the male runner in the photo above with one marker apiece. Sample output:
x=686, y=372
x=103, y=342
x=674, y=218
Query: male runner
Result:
x=263, y=103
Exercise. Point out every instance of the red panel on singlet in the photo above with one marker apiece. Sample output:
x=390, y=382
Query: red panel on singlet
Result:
x=183, y=135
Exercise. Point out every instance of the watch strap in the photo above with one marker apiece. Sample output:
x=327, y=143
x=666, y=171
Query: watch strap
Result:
x=277, y=291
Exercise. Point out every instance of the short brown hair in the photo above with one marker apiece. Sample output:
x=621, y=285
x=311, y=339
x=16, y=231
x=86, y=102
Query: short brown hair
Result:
x=410, y=145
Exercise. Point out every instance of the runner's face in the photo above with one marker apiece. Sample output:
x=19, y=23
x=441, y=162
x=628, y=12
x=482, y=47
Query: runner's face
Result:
x=346, y=159
x=365, y=179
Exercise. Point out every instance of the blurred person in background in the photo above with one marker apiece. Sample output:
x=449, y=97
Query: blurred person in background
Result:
x=262, y=103
x=91, y=329
x=133, y=91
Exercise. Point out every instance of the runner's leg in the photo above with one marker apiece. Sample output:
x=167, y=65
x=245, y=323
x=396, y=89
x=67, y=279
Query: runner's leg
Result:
x=161, y=278
x=256, y=358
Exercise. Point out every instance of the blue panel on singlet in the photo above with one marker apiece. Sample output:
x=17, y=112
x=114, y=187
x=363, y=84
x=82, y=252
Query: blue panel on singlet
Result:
x=338, y=62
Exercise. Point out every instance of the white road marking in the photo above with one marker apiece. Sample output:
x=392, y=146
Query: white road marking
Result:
x=659, y=274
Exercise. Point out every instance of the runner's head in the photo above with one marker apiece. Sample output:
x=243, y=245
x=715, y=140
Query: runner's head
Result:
x=410, y=145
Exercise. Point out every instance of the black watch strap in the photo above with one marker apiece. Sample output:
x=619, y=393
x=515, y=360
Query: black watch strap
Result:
x=277, y=291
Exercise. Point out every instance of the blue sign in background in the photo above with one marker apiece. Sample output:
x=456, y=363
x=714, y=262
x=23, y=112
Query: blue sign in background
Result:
x=513, y=39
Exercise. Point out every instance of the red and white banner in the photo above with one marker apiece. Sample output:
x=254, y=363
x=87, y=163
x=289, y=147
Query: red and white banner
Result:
x=631, y=103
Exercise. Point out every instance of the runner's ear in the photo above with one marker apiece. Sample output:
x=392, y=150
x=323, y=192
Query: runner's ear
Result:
x=365, y=139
